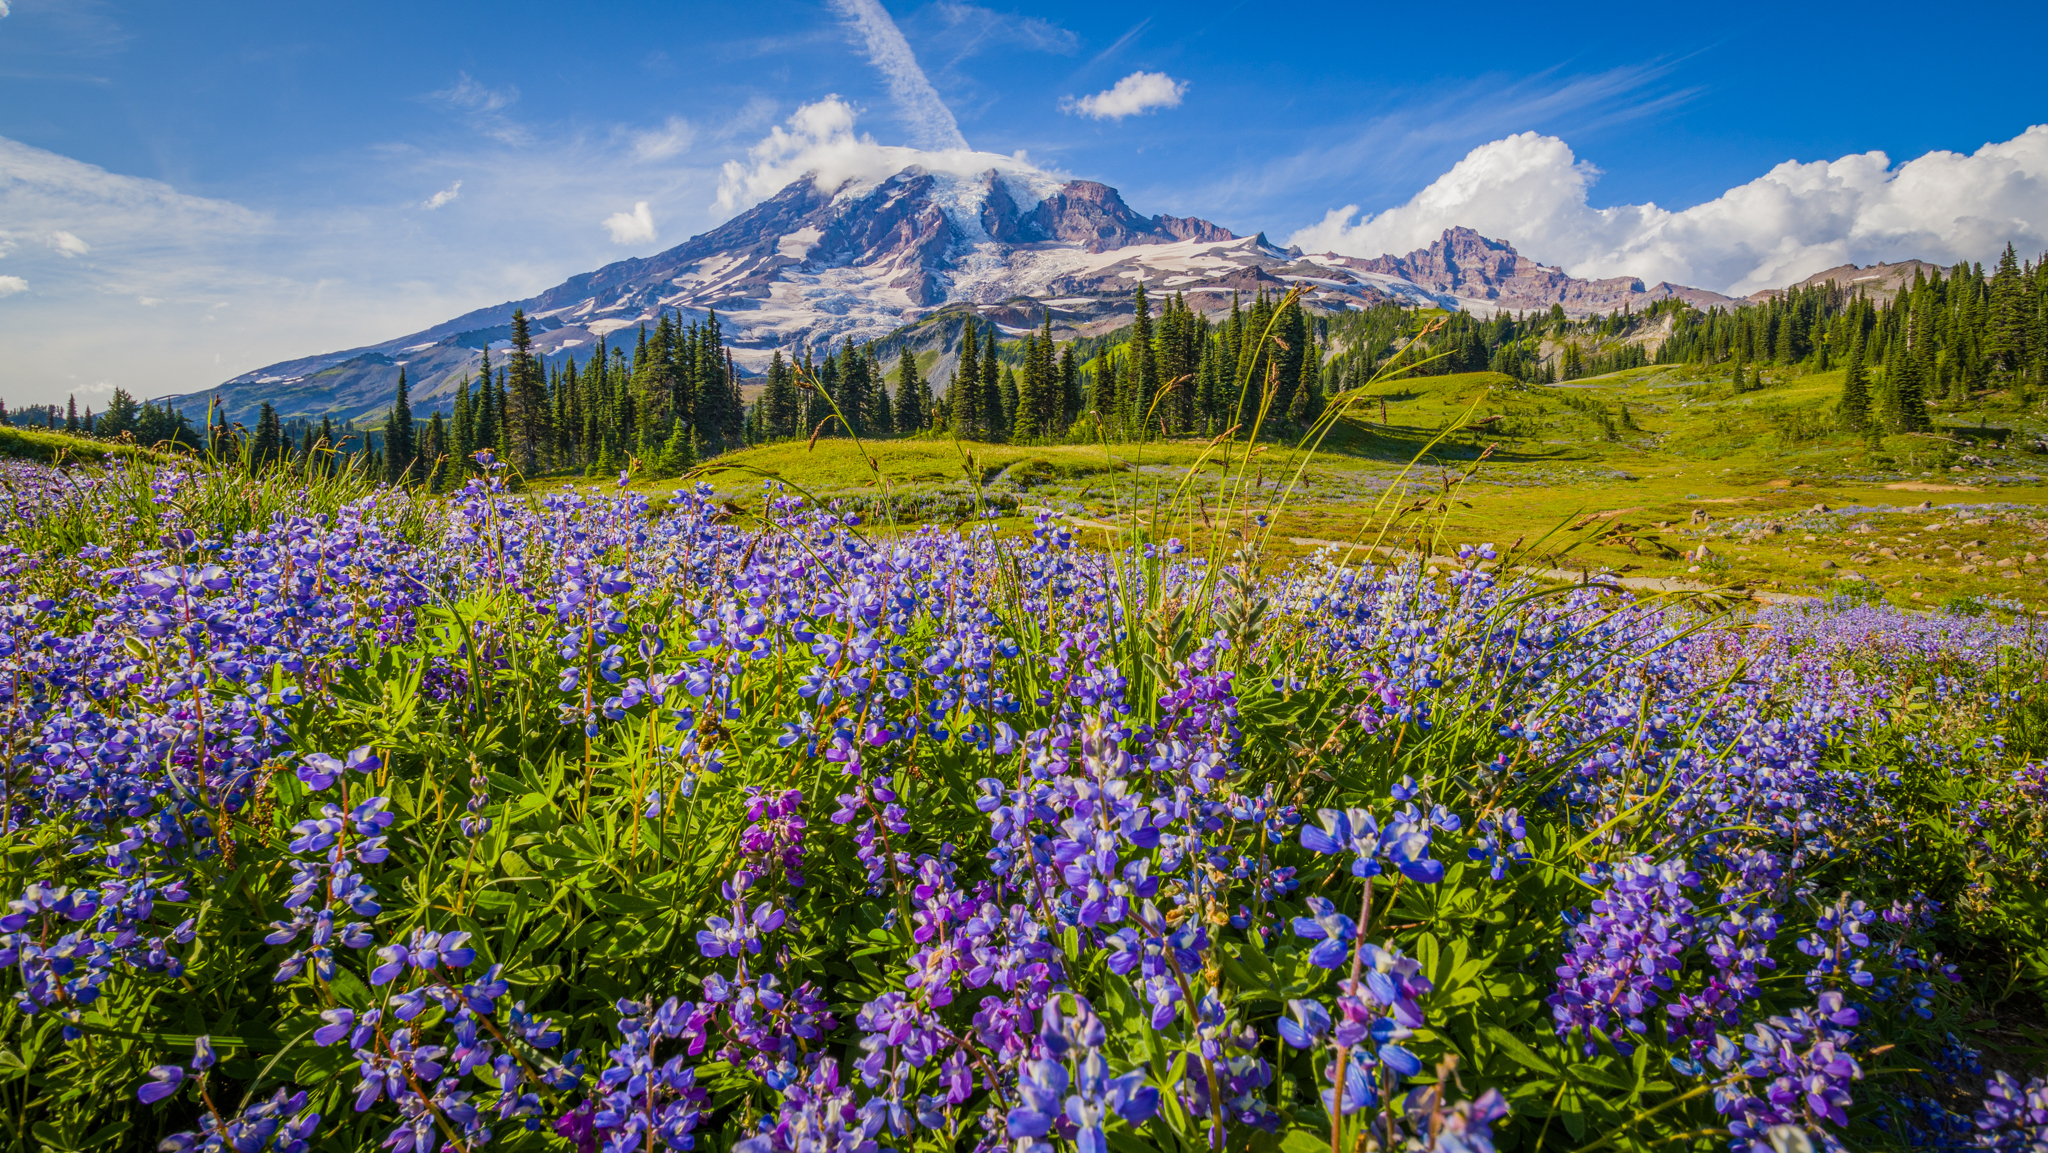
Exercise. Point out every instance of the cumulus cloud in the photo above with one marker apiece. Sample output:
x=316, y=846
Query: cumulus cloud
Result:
x=3, y=15
x=1138, y=92
x=635, y=227
x=670, y=139
x=442, y=197
x=931, y=123
x=1795, y=220
x=9, y=285
x=819, y=141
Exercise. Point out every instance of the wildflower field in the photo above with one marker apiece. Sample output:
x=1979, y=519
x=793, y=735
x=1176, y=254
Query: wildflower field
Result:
x=343, y=818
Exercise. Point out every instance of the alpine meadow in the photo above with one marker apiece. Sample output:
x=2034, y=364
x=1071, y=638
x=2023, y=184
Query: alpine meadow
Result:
x=943, y=661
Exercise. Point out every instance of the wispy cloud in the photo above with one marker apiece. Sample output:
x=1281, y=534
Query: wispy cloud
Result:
x=67, y=245
x=635, y=227
x=9, y=285
x=442, y=197
x=1136, y=93
x=483, y=106
x=671, y=139
x=931, y=123
x=1426, y=130
x=958, y=31
x=1119, y=43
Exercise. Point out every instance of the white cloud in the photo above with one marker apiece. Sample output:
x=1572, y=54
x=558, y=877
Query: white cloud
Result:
x=1138, y=92
x=819, y=140
x=9, y=285
x=442, y=197
x=483, y=107
x=931, y=123
x=1793, y=221
x=635, y=227
x=3, y=15
x=972, y=29
x=467, y=93
x=668, y=140
x=65, y=244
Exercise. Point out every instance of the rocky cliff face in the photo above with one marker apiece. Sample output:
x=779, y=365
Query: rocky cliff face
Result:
x=817, y=267
x=1475, y=269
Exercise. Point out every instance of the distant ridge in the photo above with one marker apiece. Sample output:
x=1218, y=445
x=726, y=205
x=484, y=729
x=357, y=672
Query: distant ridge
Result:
x=819, y=267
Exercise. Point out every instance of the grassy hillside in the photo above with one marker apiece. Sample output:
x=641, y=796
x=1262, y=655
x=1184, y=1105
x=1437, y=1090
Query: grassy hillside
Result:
x=54, y=447
x=1630, y=473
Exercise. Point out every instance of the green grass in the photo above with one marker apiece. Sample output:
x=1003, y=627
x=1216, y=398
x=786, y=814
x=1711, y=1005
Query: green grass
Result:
x=1649, y=447
x=56, y=447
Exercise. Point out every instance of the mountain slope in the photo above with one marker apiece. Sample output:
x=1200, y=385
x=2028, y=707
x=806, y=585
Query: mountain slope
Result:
x=818, y=267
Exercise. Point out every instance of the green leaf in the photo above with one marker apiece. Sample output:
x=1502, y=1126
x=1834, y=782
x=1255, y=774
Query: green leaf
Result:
x=1517, y=1049
x=1600, y=1076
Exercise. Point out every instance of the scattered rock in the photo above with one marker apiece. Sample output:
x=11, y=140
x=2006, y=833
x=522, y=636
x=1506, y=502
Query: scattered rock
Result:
x=1816, y=508
x=1826, y=564
x=2008, y=562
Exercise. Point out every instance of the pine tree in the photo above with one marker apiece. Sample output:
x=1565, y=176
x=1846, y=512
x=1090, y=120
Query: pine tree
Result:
x=881, y=410
x=1144, y=364
x=265, y=448
x=398, y=437
x=459, y=443
x=780, y=414
x=1855, y=407
x=434, y=469
x=913, y=399
x=1031, y=391
x=527, y=414
x=71, y=415
x=1290, y=356
x=1008, y=401
x=1070, y=388
x=484, y=435
x=994, y=417
x=963, y=400
x=1907, y=391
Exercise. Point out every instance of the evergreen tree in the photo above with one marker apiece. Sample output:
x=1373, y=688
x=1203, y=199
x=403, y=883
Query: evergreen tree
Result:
x=964, y=399
x=71, y=414
x=484, y=434
x=881, y=411
x=995, y=415
x=398, y=437
x=120, y=415
x=1290, y=356
x=1009, y=404
x=265, y=449
x=1032, y=390
x=434, y=469
x=780, y=403
x=913, y=399
x=1855, y=407
x=1144, y=359
x=1070, y=387
x=1905, y=391
x=527, y=412
x=461, y=427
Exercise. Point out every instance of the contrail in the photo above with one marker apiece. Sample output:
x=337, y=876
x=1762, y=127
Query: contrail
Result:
x=931, y=122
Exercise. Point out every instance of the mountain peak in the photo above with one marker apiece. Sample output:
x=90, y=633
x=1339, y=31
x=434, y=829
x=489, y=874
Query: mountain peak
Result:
x=820, y=264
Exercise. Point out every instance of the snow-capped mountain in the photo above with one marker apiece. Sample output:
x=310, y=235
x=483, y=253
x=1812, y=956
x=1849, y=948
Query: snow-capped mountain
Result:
x=819, y=266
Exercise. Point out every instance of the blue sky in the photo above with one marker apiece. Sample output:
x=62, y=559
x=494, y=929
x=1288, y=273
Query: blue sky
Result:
x=240, y=183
